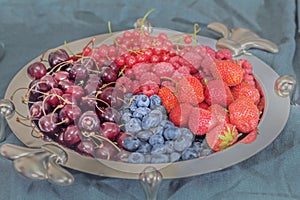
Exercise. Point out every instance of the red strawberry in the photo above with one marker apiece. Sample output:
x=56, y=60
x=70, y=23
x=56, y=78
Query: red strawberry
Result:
x=179, y=115
x=222, y=136
x=219, y=113
x=203, y=105
x=230, y=72
x=217, y=92
x=244, y=114
x=249, y=138
x=201, y=121
x=168, y=98
x=190, y=90
x=246, y=90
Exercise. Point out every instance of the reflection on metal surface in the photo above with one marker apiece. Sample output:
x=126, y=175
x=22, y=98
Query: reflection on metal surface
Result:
x=285, y=87
x=2, y=50
x=145, y=24
x=151, y=180
x=39, y=163
x=239, y=40
x=7, y=110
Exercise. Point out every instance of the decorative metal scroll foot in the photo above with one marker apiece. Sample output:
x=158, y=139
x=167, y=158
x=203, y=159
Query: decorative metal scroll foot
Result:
x=39, y=163
x=7, y=110
x=285, y=87
x=151, y=179
x=239, y=40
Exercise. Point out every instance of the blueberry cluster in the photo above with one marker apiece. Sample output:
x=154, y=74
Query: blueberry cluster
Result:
x=153, y=138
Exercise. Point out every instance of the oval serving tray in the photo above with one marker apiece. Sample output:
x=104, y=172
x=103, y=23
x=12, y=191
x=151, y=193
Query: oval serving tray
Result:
x=274, y=118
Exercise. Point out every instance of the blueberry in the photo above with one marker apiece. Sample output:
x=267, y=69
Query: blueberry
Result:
x=187, y=133
x=144, y=135
x=131, y=144
x=166, y=124
x=156, y=139
x=141, y=112
x=197, y=146
x=158, y=130
x=142, y=101
x=144, y=148
x=169, y=146
x=133, y=125
x=161, y=108
x=148, y=158
x=174, y=156
x=206, y=152
x=133, y=106
x=158, y=149
x=155, y=100
x=159, y=158
x=152, y=119
x=189, y=153
x=182, y=142
x=172, y=133
x=126, y=117
x=136, y=158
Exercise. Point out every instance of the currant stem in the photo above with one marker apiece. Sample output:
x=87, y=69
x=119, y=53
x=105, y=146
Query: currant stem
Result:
x=144, y=19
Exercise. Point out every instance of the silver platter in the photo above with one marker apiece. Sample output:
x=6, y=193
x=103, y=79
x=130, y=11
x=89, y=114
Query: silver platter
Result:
x=273, y=121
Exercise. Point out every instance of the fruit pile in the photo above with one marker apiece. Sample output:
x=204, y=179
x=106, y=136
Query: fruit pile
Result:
x=145, y=99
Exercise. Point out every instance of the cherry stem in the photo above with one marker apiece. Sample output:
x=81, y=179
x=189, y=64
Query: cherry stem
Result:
x=107, y=84
x=21, y=122
x=39, y=134
x=43, y=55
x=100, y=139
x=60, y=65
x=122, y=70
x=14, y=93
x=68, y=49
x=96, y=99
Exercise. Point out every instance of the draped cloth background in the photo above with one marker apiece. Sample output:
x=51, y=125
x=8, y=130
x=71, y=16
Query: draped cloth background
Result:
x=30, y=27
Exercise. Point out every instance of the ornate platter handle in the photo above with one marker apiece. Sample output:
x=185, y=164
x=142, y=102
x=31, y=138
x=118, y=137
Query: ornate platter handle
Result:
x=151, y=179
x=7, y=110
x=39, y=163
x=285, y=86
x=239, y=40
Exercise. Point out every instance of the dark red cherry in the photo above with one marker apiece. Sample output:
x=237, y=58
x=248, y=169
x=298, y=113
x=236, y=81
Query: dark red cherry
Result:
x=72, y=135
x=109, y=114
x=86, y=147
x=53, y=97
x=48, y=123
x=46, y=83
x=69, y=113
x=37, y=109
x=57, y=56
x=36, y=70
x=78, y=72
x=110, y=130
x=89, y=122
x=76, y=90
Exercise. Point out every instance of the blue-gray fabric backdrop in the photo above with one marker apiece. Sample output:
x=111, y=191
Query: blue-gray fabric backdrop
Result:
x=30, y=27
